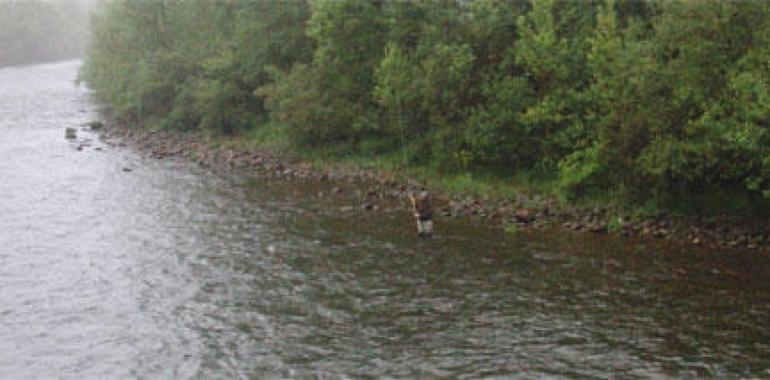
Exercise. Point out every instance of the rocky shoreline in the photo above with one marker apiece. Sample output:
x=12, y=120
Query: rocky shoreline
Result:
x=523, y=212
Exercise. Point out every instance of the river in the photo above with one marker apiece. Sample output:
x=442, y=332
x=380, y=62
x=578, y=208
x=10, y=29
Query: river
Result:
x=116, y=265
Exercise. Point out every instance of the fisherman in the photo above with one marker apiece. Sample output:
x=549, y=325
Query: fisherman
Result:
x=423, y=213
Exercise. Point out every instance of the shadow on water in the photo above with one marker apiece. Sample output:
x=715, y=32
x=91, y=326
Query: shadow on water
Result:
x=176, y=271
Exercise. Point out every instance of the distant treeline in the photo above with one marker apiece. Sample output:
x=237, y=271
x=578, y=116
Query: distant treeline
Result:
x=639, y=99
x=39, y=30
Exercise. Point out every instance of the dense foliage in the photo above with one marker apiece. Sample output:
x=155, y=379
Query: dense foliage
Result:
x=641, y=99
x=39, y=30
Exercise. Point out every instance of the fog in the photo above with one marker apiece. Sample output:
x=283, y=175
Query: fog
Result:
x=34, y=31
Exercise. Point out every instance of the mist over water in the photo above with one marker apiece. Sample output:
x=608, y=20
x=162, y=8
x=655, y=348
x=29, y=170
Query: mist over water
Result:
x=176, y=271
x=42, y=31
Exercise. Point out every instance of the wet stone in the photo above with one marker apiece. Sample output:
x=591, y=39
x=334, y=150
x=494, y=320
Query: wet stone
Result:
x=71, y=133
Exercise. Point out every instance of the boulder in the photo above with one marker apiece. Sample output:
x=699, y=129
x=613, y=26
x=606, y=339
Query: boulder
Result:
x=95, y=125
x=524, y=216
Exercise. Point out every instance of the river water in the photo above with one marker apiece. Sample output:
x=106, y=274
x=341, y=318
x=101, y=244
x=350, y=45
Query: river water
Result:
x=171, y=270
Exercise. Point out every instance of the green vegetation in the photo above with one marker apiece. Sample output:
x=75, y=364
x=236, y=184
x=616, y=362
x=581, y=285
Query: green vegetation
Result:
x=653, y=103
x=39, y=30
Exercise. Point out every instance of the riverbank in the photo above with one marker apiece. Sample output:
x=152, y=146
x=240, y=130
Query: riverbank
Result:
x=512, y=213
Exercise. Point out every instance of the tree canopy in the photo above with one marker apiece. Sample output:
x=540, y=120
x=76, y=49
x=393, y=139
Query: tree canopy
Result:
x=644, y=99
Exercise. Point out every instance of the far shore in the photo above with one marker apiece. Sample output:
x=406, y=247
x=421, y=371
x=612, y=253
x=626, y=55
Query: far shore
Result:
x=524, y=211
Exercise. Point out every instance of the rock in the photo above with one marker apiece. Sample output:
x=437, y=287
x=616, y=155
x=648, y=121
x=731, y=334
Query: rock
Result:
x=524, y=216
x=127, y=169
x=597, y=228
x=458, y=209
x=95, y=125
x=71, y=133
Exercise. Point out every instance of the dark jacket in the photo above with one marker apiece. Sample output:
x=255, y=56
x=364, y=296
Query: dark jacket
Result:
x=423, y=209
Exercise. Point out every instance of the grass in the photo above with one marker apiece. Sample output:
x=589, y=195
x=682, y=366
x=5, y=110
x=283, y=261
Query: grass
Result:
x=535, y=187
x=615, y=223
x=511, y=229
x=532, y=188
x=268, y=136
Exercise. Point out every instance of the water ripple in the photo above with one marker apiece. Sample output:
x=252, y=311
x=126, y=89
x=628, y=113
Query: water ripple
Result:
x=175, y=271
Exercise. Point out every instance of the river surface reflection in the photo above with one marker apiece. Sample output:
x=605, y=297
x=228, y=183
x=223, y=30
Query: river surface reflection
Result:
x=171, y=270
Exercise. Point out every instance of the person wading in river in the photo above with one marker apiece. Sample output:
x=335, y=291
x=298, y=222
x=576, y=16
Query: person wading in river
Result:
x=423, y=213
